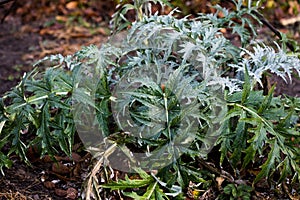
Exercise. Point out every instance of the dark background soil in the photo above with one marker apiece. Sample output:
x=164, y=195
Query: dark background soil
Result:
x=32, y=31
x=13, y=46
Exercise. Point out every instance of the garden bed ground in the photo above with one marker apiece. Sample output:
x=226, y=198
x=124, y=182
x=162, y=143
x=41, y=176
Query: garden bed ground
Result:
x=27, y=36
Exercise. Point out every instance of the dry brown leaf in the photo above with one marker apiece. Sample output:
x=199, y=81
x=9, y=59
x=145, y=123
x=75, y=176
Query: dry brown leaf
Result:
x=254, y=172
x=61, y=8
x=80, y=29
x=47, y=159
x=72, y=5
x=29, y=56
x=60, y=192
x=76, y=157
x=33, y=153
x=71, y=193
x=61, y=18
x=77, y=169
x=220, y=180
x=103, y=31
x=60, y=168
x=223, y=30
x=49, y=184
x=45, y=31
x=289, y=21
x=89, y=12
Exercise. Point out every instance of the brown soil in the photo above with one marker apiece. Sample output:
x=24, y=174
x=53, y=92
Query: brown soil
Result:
x=35, y=29
x=13, y=46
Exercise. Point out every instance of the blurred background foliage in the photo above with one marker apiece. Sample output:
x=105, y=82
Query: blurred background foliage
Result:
x=282, y=14
x=96, y=11
x=278, y=8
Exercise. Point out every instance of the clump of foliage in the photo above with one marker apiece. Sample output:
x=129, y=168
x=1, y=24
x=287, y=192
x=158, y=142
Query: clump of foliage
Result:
x=259, y=131
x=232, y=191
